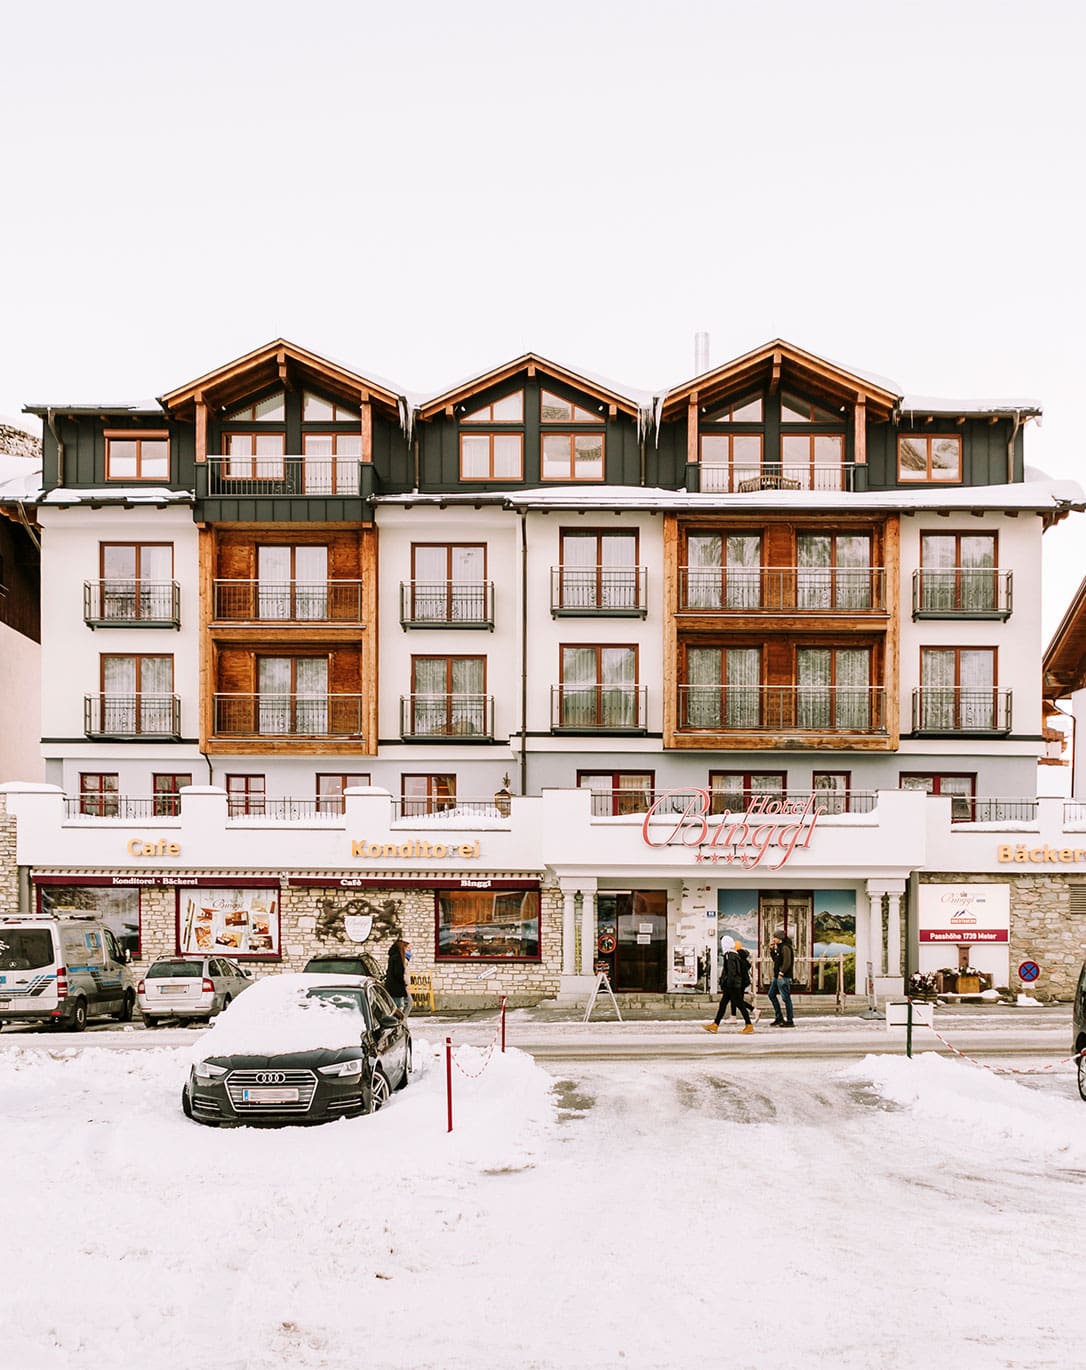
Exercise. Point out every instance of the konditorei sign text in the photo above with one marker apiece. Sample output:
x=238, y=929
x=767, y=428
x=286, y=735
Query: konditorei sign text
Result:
x=768, y=825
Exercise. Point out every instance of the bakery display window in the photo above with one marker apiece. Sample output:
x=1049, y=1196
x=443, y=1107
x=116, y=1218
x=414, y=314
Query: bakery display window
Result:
x=233, y=922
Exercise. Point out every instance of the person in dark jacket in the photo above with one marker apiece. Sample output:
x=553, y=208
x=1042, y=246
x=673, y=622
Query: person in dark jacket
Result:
x=399, y=953
x=780, y=991
x=732, y=988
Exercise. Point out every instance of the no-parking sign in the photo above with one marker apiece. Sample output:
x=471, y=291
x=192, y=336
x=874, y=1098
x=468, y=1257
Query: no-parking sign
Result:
x=1028, y=971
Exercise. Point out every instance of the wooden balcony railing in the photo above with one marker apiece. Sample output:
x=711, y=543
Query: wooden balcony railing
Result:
x=598, y=708
x=132, y=715
x=452, y=717
x=782, y=589
x=447, y=604
x=287, y=716
x=782, y=708
x=962, y=593
x=945, y=710
x=599, y=591
x=293, y=601
x=131, y=604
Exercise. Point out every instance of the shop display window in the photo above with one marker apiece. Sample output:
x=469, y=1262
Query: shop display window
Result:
x=490, y=925
x=232, y=922
x=118, y=909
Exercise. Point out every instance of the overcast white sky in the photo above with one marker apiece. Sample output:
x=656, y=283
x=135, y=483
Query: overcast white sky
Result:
x=423, y=190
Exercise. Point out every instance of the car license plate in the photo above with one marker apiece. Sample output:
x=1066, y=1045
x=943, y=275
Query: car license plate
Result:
x=269, y=1096
x=174, y=989
x=6, y=1003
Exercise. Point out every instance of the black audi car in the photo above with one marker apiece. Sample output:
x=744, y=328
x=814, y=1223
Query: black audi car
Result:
x=300, y=1049
x=1078, y=1029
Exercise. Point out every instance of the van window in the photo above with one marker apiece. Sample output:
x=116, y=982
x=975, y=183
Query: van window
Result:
x=176, y=970
x=25, y=948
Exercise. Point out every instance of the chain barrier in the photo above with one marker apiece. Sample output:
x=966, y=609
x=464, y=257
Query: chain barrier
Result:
x=499, y=1036
x=1002, y=1070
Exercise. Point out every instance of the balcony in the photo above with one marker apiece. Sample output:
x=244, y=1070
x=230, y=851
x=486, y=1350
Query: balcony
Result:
x=952, y=711
x=782, y=590
x=774, y=709
x=598, y=708
x=447, y=604
x=131, y=604
x=293, y=601
x=283, y=810
x=253, y=477
x=618, y=803
x=447, y=718
x=746, y=480
x=962, y=593
x=288, y=717
x=132, y=715
x=599, y=591
x=122, y=807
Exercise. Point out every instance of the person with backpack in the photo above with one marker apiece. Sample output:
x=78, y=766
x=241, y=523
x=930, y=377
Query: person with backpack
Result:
x=783, y=958
x=732, y=987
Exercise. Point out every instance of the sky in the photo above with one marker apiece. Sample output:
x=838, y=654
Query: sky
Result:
x=615, y=1215
x=423, y=191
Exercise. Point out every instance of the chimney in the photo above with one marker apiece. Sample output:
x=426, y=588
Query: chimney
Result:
x=701, y=353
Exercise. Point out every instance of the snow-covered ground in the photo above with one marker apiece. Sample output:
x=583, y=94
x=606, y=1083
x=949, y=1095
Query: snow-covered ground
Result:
x=719, y=1211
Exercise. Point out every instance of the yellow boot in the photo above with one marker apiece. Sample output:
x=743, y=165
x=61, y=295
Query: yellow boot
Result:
x=749, y=1028
x=710, y=1027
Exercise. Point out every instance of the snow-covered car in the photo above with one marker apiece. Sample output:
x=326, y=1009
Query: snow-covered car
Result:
x=189, y=987
x=302, y=1049
x=1078, y=1029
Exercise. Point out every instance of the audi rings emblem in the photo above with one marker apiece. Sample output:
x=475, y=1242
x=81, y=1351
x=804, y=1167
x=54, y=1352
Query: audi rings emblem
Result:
x=271, y=1077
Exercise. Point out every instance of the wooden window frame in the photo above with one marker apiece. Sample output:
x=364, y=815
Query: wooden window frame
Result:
x=616, y=811
x=178, y=779
x=748, y=792
x=138, y=548
x=832, y=423
x=139, y=658
x=247, y=414
x=812, y=465
x=572, y=478
x=99, y=800
x=937, y=778
x=592, y=421
x=347, y=417
x=491, y=477
x=485, y=412
x=432, y=798
x=848, y=787
x=927, y=478
x=254, y=796
x=450, y=548
x=232, y=459
x=730, y=438
x=333, y=803
x=958, y=649
x=726, y=414
x=138, y=436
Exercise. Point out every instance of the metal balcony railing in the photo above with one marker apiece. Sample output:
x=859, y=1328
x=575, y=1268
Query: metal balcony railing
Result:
x=616, y=803
x=599, y=591
x=962, y=593
x=292, y=601
x=121, y=806
x=288, y=716
x=745, y=480
x=286, y=810
x=825, y=709
x=132, y=603
x=132, y=715
x=782, y=589
x=447, y=604
x=259, y=477
x=598, y=708
x=450, y=809
x=945, y=710
x=452, y=717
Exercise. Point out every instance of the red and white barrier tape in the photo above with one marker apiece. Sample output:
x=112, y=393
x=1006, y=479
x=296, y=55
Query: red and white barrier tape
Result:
x=1000, y=1070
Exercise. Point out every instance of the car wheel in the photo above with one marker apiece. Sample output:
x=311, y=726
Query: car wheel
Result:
x=378, y=1090
x=125, y=1013
x=79, y=1015
x=148, y=1021
x=226, y=1004
x=186, y=1102
x=1082, y=1077
x=408, y=1066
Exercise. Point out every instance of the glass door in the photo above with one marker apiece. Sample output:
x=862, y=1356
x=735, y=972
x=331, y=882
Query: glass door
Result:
x=631, y=940
x=794, y=913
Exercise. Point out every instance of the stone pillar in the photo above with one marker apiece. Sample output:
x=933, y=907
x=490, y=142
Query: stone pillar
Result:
x=588, y=931
x=874, y=930
x=894, y=963
x=569, y=931
x=887, y=967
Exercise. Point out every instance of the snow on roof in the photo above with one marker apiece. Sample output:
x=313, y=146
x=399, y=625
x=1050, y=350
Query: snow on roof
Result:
x=20, y=477
x=104, y=407
x=118, y=494
x=929, y=404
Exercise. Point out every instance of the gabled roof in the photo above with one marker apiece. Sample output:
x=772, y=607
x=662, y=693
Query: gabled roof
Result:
x=1063, y=664
x=529, y=361
x=780, y=363
x=276, y=363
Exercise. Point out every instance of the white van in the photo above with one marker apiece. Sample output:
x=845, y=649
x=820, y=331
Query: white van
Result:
x=62, y=970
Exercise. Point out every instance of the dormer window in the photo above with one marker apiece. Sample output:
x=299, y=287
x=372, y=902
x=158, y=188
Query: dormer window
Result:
x=269, y=410
x=509, y=409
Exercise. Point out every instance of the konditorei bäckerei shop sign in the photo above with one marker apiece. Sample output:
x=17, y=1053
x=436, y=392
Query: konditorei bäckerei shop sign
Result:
x=964, y=913
x=766, y=834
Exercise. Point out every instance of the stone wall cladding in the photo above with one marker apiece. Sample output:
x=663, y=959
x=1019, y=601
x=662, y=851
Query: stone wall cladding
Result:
x=312, y=925
x=1043, y=929
x=9, y=869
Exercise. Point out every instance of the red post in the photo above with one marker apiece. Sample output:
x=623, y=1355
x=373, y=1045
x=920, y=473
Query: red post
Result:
x=448, y=1079
x=503, y=1023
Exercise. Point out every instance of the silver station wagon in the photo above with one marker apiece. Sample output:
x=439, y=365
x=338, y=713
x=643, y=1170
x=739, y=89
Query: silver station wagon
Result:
x=189, y=988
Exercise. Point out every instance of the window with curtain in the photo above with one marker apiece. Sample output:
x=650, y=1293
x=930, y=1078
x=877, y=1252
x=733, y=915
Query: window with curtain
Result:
x=447, y=696
x=957, y=689
x=831, y=790
x=331, y=463
x=729, y=459
x=733, y=790
x=426, y=794
x=254, y=456
x=815, y=461
x=615, y=793
x=137, y=694
x=723, y=571
x=599, y=687
x=961, y=789
x=958, y=572
x=293, y=695
x=833, y=688
x=599, y=570
x=448, y=582
x=722, y=688
x=137, y=580
x=833, y=571
x=292, y=582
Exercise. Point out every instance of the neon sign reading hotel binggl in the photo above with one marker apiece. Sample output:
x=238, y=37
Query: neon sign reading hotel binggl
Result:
x=740, y=839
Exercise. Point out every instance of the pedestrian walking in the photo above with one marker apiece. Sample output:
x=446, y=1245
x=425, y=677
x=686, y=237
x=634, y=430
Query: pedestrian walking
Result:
x=783, y=957
x=732, y=987
x=399, y=953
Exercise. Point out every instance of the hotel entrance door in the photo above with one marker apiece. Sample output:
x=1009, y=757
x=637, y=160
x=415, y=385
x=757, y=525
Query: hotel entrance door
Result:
x=631, y=939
